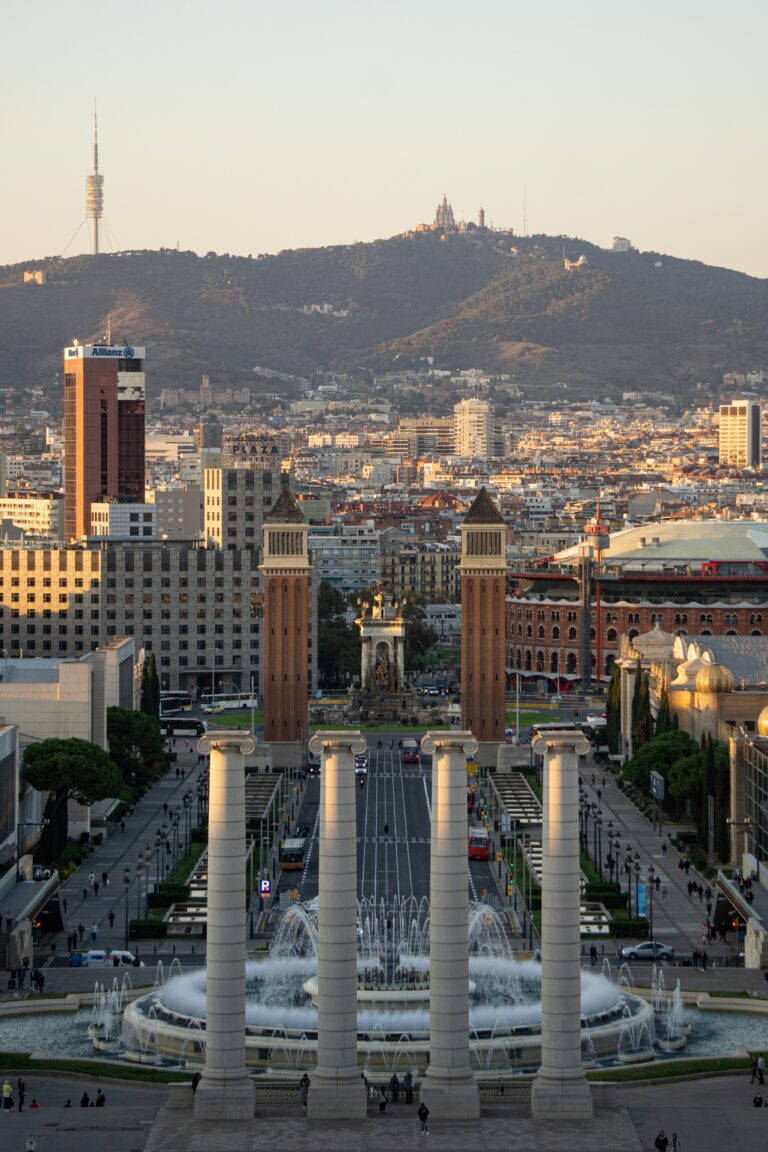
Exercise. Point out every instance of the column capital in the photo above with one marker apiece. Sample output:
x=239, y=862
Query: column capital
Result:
x=226, y=742
x=449, y=741
x=565, y=741
x=332, y=741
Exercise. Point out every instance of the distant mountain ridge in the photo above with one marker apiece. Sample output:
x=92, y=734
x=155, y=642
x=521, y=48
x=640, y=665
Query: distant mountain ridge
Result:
x=623, y=320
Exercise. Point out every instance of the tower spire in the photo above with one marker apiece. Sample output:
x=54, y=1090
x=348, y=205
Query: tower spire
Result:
x=94, y=188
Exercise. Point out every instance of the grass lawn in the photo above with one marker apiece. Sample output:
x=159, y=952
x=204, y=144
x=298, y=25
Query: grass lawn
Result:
x=669, y=1069
x=530, y=716
x=240, y=719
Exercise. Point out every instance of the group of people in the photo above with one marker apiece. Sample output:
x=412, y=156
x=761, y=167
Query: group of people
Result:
x=21, y=1095
x=662, y=1142
x=379, y=1094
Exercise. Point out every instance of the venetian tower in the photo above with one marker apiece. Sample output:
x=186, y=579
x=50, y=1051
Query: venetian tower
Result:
x=285, y=573
x=483, y=650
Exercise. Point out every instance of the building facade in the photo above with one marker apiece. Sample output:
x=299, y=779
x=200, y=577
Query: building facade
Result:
x=38, y=516
x=235, y=501
x=103, y=430
x=474, y=429
x=741, y=434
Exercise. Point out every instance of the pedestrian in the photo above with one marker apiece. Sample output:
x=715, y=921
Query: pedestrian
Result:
x=382, y=1100
x=8, y=921
x=661, y=1142
x=408, y=1087
x=95, y=887
x=757, y=1100
x=687, y=866
x=7, y=1096
x=676, y=1145
x=593, y=956
x=111, y=918
x=85, y=1100
x=122, y=825
x=94, y=932
x=664, y=893
x=754, y=1069
x=100, y=1099
x=68, y=1104
x=64, y=905
x=85, y=893
x=304, y=1090
x=21, y=1092
x=81, y=931
x=761, y=1068
x=91, y=878
x=394, y=1084
x=423, y=1115
x=105, y=878
x=664, y=848
x=40, y=983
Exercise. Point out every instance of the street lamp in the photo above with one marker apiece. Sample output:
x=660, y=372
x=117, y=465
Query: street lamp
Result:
x=139, y=872
x=147, y=862
x=636, y=867
x=628, y=870
x=127, y=883
x=158, y=846
x=651, y=878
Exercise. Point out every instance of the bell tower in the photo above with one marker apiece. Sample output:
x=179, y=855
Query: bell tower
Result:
x=483, y=624
x=285, y=573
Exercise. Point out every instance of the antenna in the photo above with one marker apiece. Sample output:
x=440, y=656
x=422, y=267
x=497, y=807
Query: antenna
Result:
x=108, y=334
x=525, y=212
x=94, y=188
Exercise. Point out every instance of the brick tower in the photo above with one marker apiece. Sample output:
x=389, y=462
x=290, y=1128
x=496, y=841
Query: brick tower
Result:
x=483, y=592
x=285, y=654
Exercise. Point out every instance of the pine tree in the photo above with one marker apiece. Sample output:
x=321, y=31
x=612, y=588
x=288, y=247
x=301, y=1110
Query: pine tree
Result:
x=150, y=688
x=663, y=716
x=613, y=711
x=642, y=728
x=708, y=788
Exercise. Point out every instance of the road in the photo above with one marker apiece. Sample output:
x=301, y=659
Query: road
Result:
x=394, y=814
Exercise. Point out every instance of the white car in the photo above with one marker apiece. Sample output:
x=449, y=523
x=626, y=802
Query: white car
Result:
x=647, y=950
x=98, y=958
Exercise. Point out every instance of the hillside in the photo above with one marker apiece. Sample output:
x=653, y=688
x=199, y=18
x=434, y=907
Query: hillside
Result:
x=637, y=320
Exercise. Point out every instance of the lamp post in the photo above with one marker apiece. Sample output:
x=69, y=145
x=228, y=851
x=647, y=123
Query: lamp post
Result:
x=139, y=872
x=158, y=854
x=651, y=878
x=636, y=867
x=609, y=860
x=127, y=884
x=628, y=870
x=147, y=862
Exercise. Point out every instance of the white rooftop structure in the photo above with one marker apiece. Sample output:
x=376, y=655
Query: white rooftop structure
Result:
x=671, y=543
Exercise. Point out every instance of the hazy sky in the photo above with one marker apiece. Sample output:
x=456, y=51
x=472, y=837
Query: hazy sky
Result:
x=248, y=126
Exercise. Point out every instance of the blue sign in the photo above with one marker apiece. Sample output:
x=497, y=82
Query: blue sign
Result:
x=642, y=900
x=265, y=887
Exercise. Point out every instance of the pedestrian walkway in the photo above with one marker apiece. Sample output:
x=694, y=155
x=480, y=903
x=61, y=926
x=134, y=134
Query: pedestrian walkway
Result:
x=82, y=905
x=677, y=919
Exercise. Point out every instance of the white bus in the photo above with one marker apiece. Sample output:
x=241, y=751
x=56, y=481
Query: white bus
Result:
x=228, y=701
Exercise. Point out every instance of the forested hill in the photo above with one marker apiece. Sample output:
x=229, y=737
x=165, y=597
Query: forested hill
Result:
x=630, y=320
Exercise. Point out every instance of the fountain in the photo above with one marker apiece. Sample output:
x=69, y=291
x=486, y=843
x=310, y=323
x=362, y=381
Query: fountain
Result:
x=392, y=997
x=675, y=1029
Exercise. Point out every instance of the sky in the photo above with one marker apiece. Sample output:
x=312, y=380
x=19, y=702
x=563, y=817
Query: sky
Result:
x=248, y=126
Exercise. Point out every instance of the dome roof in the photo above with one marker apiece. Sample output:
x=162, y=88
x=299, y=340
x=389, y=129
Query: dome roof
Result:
x=762, y=722
x=714, y=678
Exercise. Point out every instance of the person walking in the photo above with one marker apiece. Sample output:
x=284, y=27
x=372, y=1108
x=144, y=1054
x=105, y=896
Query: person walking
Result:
x=676, y=1145
x=304, y=1090
x=382, y=1100
x=111, y=918
x=661, y=1143
x=100, y=1099
x=408, y=1087
x=761, y=1068
x=395, y=1086
x=21, y=1092
x=754, y=1069
x=7, y=1096
x=423, y=1115
x=94, y=931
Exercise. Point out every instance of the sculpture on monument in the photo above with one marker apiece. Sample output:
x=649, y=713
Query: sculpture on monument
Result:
x=382, y=694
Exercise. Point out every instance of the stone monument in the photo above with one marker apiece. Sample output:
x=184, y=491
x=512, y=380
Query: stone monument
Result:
x=382, y=694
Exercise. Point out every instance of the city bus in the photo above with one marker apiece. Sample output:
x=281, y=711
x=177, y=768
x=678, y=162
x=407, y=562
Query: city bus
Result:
x=174, y=702
x=479, y=843
x=227, y=701
x=559, y=726
x=292, y=854
x=183, y=726
x=410, y=750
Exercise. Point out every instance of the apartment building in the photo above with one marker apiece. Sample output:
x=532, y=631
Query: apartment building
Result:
x=235, y=500
x=38, y=516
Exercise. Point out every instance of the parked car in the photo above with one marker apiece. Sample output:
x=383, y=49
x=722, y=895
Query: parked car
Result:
x=99, y=958
x=647, y=950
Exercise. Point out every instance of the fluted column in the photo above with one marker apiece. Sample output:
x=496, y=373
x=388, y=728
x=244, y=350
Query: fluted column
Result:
x=225, y=1091
x=560, y=1090
x=450, y=1089
x=337, y=1090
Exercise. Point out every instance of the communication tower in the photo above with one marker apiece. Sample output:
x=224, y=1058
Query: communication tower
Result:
x=94, y=189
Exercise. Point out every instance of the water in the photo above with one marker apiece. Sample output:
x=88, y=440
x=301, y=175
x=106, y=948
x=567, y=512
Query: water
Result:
x=712, y=1034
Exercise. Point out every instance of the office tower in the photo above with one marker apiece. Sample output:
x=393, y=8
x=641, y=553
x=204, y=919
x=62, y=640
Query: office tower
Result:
x=103, y=430
x=483, y=609
x=285, y=574
x=235, y=503
x=740, y=434
x=473, y=428
x=209, y=433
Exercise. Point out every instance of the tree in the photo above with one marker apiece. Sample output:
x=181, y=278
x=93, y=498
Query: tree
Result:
x=70, y=770
x=663, y=716
x=642, y=725
x=330, y=602
x=150, y=688
x=613, y=711
x=136, y=745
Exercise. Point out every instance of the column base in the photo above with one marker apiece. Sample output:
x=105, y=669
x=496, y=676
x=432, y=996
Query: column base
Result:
x=561, y=1098
x=337, y=1097
x=225, y=1100
x=448, y=1098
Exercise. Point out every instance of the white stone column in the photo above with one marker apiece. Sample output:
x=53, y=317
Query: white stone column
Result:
x=560, y=1090
x=225, y=1091
x=337, y=1090
x=449, y=1090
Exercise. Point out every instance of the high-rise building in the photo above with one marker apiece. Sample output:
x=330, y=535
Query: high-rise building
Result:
x=287, y=624
x=474, y=428
x=104, y=387
x=740, y=434
x=235, y=502
x=483, y=609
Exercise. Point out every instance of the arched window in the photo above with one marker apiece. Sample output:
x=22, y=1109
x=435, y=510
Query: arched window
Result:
x=556, y=632
x=570, y=663
x=540, y=631
x=612, y=634
x=539, y=661
x=571, y=633
x=528, y=660
x=528, y=630
x=554, y=662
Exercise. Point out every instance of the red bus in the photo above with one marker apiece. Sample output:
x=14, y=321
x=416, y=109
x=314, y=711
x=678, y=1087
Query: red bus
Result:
x=410, y=750
x=479, y=843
